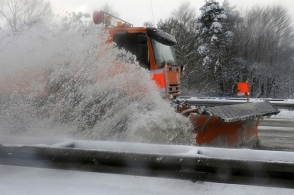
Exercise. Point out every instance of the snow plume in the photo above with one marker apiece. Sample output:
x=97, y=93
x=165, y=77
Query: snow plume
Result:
x=86, y=89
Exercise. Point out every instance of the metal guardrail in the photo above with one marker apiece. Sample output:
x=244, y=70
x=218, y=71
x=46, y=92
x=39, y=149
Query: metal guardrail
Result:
x=198, y=101
x=153, y=160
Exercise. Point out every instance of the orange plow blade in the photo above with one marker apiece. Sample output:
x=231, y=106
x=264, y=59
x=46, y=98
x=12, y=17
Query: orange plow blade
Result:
x=211, y=131
x=229, y=126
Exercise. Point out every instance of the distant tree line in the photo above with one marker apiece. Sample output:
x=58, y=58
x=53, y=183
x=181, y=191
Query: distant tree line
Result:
x=18, y=14
x=221, y=48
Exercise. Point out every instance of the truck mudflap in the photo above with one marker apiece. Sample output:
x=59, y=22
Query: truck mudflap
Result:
x=229, y=126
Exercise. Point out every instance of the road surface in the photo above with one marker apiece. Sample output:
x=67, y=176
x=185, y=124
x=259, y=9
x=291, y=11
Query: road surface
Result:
x=21, y=176
x=276, y=134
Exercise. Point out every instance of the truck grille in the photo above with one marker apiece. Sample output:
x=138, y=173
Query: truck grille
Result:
x=173, y=90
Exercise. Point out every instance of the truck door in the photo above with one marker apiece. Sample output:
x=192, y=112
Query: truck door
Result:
x=135, y=43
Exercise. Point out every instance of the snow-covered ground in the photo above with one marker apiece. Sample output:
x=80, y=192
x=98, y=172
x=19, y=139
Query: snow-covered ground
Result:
x=284, y=114
x=35, y=181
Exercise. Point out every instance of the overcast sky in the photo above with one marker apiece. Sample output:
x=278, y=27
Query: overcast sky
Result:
x=139, y=11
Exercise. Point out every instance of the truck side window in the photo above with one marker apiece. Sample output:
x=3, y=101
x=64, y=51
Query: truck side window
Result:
x=129, y=42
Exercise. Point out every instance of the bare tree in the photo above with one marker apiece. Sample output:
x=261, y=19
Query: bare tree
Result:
x=265, y=45
x=183, y=25
x=108, y=9
x=148, y=24
x=20, y=13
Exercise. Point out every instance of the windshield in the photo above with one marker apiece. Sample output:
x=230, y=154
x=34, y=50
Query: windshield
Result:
x=163, y=53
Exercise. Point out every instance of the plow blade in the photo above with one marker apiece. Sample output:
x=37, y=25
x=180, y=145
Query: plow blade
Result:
x=230, y=126
x=244, y=111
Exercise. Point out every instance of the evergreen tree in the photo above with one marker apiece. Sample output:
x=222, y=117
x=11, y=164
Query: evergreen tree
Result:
x=214, y=38
x=230, y=66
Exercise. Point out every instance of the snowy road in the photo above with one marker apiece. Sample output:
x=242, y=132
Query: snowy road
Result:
x=277, y=133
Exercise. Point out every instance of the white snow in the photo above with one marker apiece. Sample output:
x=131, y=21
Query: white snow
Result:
x=216, y=27
x=35, y=181
x=222, y=16
x=141, y=148
x=203, y=49
x=82, y=70
x=75, y=47
x=214, y=38
x=284, y=114
x=206, y=61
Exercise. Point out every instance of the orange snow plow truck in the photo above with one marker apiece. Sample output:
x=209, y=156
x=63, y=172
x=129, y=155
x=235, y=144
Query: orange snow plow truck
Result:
x=220, y=126
x=152, y=48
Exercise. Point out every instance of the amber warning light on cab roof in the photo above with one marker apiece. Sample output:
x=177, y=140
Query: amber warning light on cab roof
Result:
x=100, y=17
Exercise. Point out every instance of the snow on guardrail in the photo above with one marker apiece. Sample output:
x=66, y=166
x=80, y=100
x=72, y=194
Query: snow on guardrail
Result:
x=211, y=101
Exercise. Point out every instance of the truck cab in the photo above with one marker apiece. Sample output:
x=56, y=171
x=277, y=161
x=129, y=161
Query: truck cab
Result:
x=152, y=47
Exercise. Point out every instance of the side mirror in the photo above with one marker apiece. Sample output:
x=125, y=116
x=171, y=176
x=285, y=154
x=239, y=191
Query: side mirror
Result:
x=143, y=50
x=143, y=55
x=142, y=39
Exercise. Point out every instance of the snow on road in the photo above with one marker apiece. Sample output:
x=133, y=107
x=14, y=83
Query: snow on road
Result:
x=284, y=114
x=31, y=181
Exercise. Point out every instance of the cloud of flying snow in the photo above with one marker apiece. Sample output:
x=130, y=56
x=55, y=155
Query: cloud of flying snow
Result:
x=62, y=79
